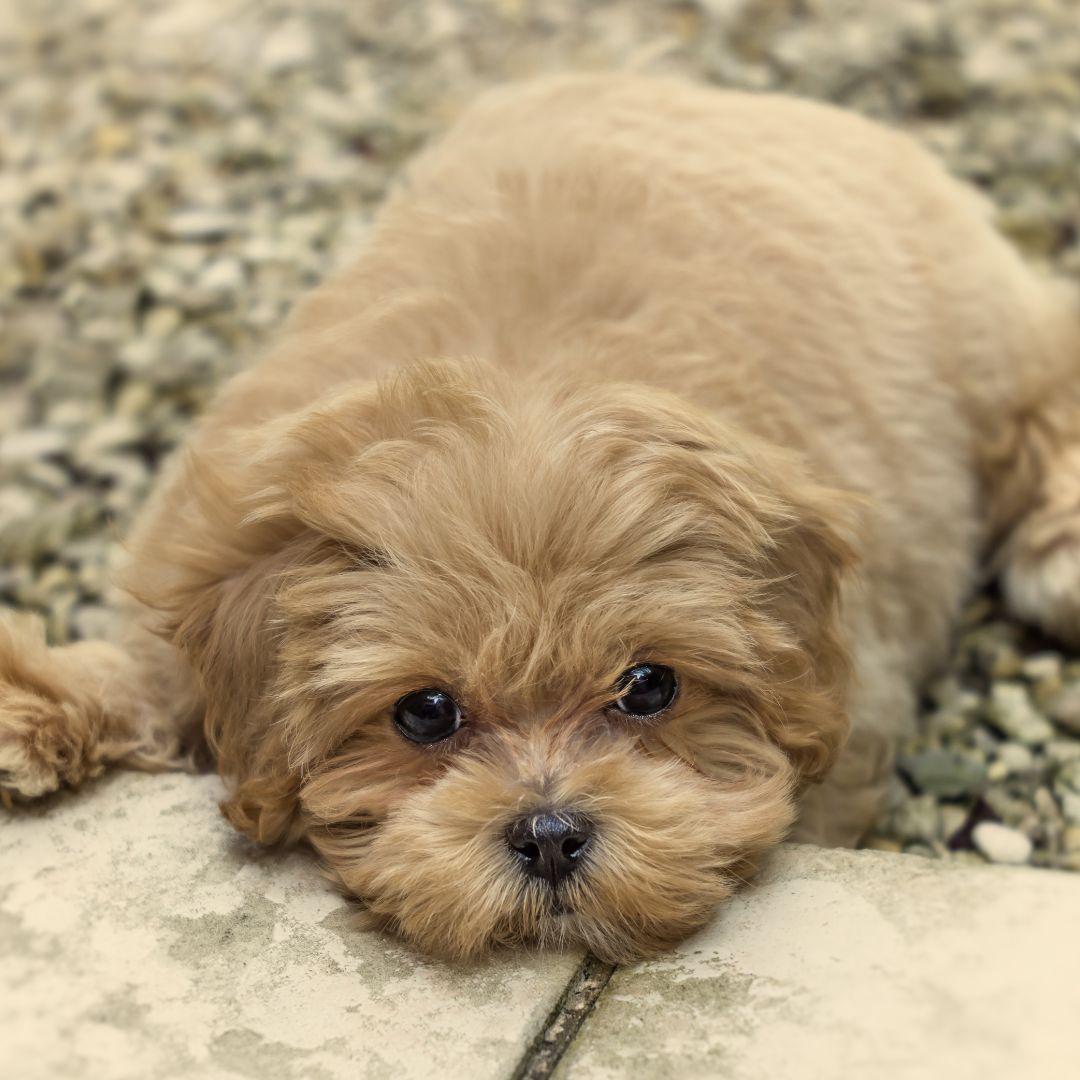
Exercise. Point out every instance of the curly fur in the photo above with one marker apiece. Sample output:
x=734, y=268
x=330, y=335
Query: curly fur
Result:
x=629, y=371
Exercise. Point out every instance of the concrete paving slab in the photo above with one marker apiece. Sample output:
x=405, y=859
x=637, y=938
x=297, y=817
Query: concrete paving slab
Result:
x=856, y=964
x=141, y=938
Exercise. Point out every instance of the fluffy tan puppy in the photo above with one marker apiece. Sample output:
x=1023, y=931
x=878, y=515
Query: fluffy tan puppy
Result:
x=536, y=576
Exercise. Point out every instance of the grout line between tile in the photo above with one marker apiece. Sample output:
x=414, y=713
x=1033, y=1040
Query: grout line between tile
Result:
x=565, y=1020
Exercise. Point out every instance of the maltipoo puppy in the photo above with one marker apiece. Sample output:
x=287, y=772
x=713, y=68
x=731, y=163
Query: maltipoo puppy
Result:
x=537, y=575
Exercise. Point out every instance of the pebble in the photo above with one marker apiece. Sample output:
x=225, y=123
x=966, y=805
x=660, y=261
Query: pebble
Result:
x=1042, y=667
x=16, y=503
x=1065, y=709
x=288, y=46
x=946, y=773
x=1013, y=760
x=1010, y=710
x=1046, y=805
x=1070, y=807
x=161, y=322
x=1060, y=751
x=49, y=477
x=953, y=819
x=108, y=436
x=201, y=225
x=222, y=278
x=916, y=820
x=1044, y=671
x=20, y=447
x=948, y=722
x=1066, y=787
x=135, y=399
x=1000, y=844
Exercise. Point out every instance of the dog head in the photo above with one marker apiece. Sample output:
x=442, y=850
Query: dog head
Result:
x=542, y=663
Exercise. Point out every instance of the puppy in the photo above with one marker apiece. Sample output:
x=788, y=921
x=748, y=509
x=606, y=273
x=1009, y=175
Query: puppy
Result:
x=537, y=575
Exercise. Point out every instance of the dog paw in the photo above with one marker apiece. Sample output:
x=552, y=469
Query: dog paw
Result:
x=1042, y=581
x=39, y=750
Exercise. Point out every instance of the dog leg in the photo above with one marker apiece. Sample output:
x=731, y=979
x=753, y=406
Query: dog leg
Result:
x=845, y=806
x=1039, y=558
x=67, y=712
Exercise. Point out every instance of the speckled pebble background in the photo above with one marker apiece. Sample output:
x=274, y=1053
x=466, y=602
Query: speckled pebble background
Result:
x=174, y=172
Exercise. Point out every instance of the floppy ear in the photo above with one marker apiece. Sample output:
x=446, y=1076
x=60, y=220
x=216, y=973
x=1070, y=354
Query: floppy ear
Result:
x=810, y=665
x=210, y=583
x=210, y=573
x=294, y=500
x=786, y=542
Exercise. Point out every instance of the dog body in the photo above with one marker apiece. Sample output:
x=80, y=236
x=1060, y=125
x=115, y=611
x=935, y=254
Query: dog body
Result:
x=630, y=373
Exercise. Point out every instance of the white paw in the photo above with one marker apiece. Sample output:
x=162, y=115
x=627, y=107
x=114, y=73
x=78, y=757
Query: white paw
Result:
x=22, y=771
x=1043, y=588
x=37, y=752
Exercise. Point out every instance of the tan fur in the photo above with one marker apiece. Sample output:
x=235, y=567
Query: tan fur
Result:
x=630, y=370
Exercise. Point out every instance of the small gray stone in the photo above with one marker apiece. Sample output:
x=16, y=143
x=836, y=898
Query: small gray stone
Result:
x=946, y=773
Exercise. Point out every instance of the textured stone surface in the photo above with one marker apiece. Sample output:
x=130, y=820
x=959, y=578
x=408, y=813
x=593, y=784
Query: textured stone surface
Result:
x=843, y=964
x=140, y=938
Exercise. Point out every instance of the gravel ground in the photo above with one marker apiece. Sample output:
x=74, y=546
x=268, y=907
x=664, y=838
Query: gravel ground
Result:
x=174, y=172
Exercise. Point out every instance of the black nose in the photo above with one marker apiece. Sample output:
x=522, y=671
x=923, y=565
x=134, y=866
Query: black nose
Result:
x=549, y=845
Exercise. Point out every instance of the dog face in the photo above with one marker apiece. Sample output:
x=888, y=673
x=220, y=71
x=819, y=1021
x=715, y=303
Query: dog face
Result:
x=524, y=667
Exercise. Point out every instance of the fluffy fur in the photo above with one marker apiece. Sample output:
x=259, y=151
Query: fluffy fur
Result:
x=629, y=370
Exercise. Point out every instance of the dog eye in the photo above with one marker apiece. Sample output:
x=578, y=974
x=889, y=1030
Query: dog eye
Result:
x=426, y=716
x=646, y=689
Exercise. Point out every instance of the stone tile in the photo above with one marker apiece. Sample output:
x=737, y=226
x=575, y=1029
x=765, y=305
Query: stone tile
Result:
x=141, y=938
x=856, y=964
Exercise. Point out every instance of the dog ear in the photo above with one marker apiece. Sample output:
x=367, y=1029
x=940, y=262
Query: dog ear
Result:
x=209, y=575
x=809, y=668
x=215, y=603
x=290, y=499
x=786, y=538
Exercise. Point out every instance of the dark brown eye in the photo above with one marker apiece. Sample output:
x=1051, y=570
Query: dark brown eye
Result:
x=427, y=716
x=646, y=689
